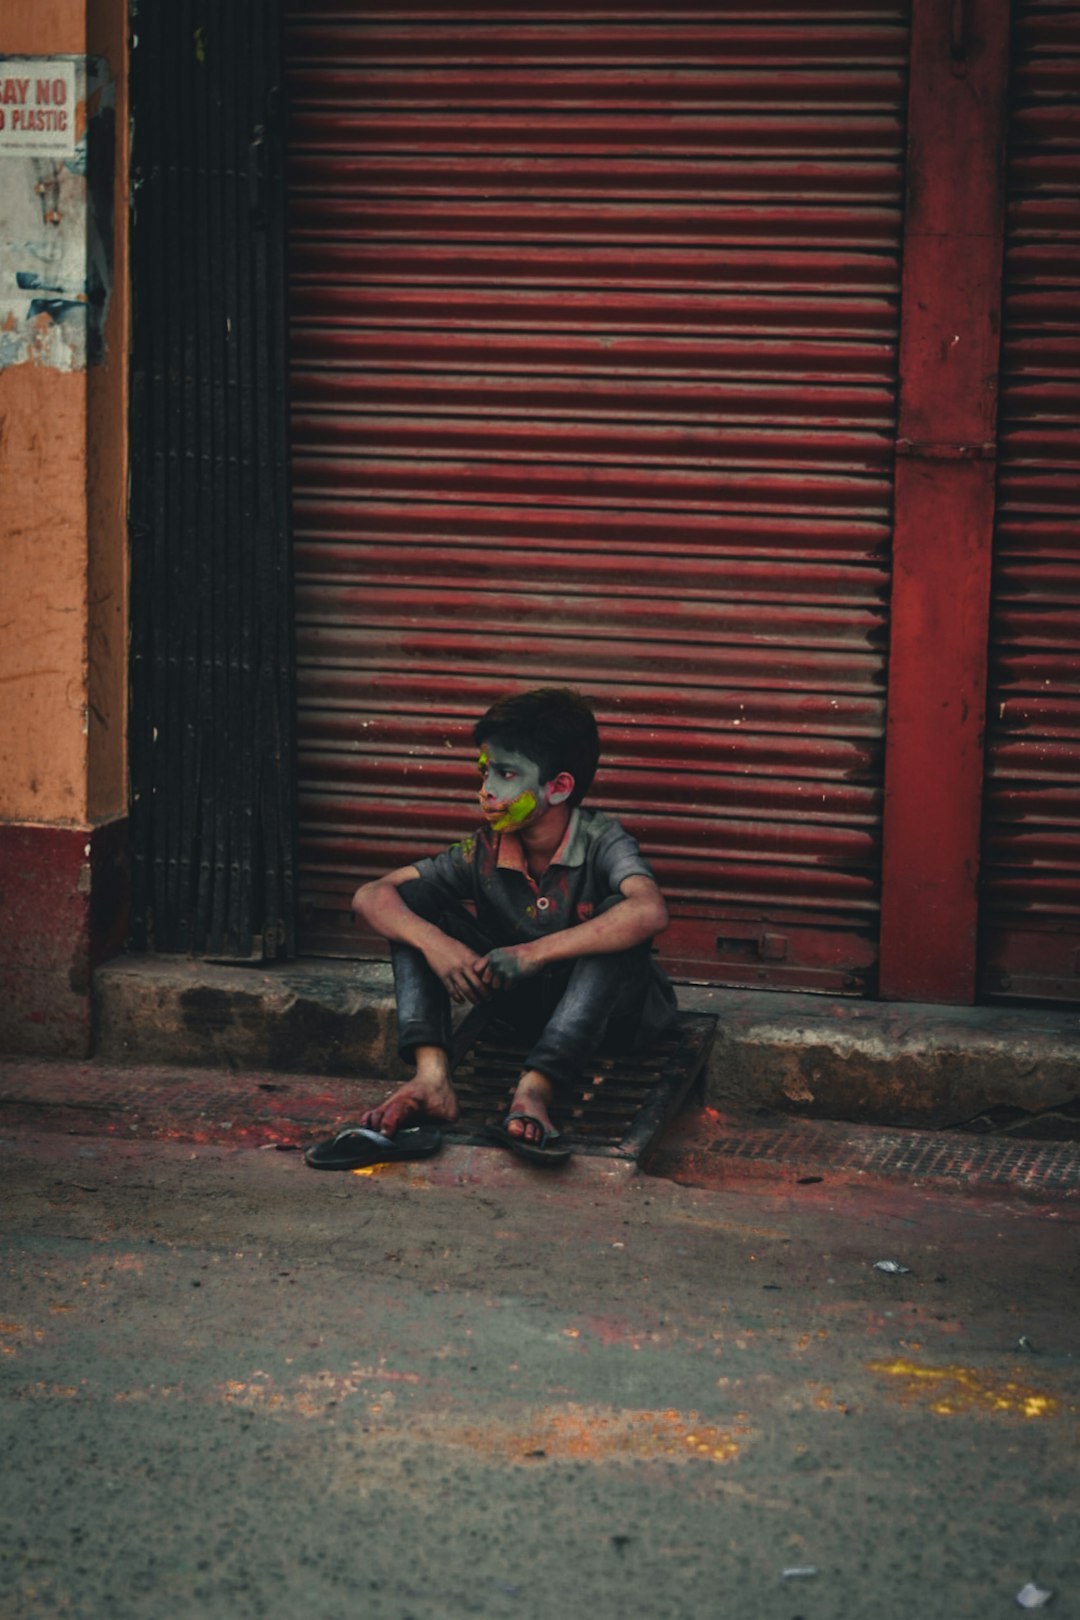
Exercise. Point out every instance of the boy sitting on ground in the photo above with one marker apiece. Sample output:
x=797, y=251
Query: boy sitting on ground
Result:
x=566, y=909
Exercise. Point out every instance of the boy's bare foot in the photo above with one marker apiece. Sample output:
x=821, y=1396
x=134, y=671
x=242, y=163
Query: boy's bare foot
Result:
x=533, y=1097
x=428, y=1095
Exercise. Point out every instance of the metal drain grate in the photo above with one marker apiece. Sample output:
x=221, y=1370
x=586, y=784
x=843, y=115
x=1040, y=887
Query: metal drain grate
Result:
x=913, y=1156
x=617, y=1110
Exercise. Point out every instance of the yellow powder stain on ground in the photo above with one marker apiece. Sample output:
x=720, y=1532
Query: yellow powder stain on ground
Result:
x=956, y=1388
x=564, y=1432
x=20, y=1334
x=823, y=1398
x=412, y=1172
x=313, y=1393
x=152, y=1392
x=600, y=1434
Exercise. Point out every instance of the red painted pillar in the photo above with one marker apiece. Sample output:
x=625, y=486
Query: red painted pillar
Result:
x=950, y=320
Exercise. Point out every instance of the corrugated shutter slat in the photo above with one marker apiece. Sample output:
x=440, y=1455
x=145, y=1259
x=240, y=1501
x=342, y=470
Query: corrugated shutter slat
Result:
x=1031, y=847
x=593, y=323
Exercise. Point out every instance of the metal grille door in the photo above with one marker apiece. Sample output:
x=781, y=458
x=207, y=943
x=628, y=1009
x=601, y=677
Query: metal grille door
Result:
x=1031, y=849
x=212, y=812
x=594, y=323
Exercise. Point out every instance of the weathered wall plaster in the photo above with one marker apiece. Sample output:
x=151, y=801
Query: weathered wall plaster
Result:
x=63, y=534
x=36, y=27
x=63, y=560
x=43, y=595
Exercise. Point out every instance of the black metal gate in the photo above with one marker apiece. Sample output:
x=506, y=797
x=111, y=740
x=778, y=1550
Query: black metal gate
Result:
x=212, y=728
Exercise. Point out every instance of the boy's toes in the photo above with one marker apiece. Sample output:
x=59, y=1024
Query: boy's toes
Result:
x=529, y=1129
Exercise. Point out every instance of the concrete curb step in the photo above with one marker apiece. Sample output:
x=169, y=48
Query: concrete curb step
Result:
x=899, y=1064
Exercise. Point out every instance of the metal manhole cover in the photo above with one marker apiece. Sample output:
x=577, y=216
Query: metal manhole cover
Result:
x=617, y=1109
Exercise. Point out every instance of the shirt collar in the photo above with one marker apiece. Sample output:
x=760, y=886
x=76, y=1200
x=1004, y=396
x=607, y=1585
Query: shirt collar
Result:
x=511, y=854
x=571, y=852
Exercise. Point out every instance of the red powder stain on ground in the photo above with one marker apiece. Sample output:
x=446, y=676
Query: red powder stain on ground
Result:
x=217, y=1133
x=908, y=1317
x=609, y=1331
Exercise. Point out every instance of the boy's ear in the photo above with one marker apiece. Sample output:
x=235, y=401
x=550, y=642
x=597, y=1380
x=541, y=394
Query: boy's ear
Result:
x=560, y=788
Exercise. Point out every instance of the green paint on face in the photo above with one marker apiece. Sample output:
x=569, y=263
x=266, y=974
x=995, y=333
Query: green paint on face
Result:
x=519, y=810
x=511, y=792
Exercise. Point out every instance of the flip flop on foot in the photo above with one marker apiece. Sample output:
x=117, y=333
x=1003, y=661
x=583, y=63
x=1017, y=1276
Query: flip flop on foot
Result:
x=355, y=1147
x=552, y=1148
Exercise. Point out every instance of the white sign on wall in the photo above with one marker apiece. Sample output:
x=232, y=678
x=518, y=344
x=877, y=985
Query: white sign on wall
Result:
x=37, y=107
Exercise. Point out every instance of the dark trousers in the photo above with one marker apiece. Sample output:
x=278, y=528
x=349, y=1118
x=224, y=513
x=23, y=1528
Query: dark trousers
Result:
x=566, y=1011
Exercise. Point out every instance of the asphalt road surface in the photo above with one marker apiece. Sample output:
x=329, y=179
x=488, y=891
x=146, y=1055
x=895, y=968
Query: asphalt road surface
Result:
x=233, y=1387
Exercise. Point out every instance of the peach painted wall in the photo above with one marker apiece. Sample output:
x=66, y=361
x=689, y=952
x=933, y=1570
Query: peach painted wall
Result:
x=42, y=27
x=63, y=548
x=43, y=589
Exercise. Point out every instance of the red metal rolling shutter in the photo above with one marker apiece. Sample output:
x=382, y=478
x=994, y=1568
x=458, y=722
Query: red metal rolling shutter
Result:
x=1031, y=849
x=594, y=321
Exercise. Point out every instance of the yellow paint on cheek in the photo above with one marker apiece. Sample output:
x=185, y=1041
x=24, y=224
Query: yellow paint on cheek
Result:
x=955, y=1388
x=515, y=813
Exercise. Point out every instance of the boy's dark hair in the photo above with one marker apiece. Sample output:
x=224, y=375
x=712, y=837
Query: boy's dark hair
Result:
x=553, y=726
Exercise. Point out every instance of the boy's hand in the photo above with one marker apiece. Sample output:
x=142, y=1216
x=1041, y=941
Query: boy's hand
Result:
x=506, y=965
x=456, y=966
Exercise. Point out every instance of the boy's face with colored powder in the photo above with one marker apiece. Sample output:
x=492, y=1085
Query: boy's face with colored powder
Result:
x=511, y=792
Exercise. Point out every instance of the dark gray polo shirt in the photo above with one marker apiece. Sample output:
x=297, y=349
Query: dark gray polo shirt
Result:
x=595, y=857
x=512, y=907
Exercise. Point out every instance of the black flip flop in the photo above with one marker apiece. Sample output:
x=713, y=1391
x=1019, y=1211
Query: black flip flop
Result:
x=551, y=1149
x=355, y=1147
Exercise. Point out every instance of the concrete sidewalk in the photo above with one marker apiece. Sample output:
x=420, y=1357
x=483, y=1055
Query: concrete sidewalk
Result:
x=703, y=1147
x=1014, y=1069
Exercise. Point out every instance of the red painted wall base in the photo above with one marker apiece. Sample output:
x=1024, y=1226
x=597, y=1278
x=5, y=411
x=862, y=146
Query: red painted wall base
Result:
x=63, y=905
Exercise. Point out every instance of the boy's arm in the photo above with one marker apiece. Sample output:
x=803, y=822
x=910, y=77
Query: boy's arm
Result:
x=640, y=915
x=383, y=909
